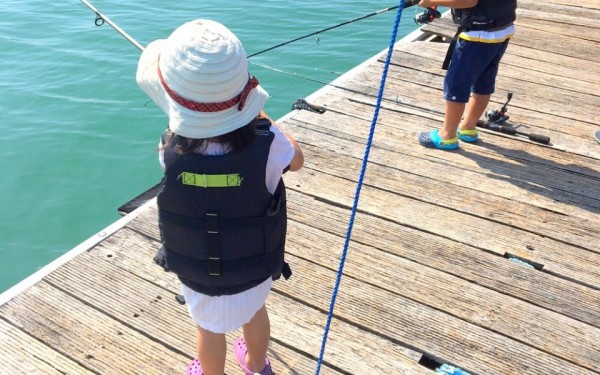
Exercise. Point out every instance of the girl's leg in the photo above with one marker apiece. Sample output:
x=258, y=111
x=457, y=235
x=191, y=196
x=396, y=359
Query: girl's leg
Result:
x=212, y=348
x=257, y=334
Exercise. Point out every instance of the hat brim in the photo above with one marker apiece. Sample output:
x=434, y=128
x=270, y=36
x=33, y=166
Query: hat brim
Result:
x=187, y=122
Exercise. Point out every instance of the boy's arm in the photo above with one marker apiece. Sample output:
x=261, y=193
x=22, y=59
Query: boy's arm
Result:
x=459, y=4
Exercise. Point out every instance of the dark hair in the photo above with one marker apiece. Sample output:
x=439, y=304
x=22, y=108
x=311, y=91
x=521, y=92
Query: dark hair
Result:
x=233, y=141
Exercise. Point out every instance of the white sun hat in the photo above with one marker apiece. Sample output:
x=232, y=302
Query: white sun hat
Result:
x=199, y=78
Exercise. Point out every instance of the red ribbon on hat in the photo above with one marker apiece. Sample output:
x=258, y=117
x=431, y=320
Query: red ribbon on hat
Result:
x=210, y=107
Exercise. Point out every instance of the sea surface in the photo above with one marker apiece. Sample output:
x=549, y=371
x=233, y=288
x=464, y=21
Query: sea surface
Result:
x=78, y=137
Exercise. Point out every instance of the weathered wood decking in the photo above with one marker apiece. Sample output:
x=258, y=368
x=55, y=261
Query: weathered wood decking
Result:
x=427, y=274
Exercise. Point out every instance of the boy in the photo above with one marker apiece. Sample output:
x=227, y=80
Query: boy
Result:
x=484, y=30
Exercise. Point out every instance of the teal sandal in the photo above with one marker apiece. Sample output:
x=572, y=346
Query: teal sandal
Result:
x=468, y=135
x=433, y=140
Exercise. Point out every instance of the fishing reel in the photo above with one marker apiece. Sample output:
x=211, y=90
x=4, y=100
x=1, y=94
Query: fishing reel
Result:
x=427, y=16
x=499, y=116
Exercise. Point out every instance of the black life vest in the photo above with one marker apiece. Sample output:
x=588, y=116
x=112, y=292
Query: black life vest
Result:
x=222, y=231
x=486, y=15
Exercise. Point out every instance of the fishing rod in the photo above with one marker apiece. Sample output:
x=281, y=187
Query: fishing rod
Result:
x=496, y=121
x=503, y=127
x=101, y=18
x=510, y=130
x=407, y=4
x=491, y=125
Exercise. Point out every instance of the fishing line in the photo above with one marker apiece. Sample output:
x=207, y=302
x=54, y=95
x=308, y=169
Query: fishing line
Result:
x=489, y=124
x=353, y=34
x=101, y=19
x=295, y=74
x=396, y=100
x=406, y=5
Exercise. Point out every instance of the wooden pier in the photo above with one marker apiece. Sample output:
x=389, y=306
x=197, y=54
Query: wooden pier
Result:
x=486, y=258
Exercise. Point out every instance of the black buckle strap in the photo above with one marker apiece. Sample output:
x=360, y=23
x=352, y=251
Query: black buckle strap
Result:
x=202, y=224
x=450, y=51
x=275, y=205
x=214, y=244
x=263, y=126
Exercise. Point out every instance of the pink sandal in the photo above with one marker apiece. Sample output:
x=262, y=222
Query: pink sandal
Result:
x=194, y=368
x=240, y=350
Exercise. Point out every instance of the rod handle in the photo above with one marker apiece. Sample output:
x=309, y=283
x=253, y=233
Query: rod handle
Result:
x=495, y=127
x=544, y=139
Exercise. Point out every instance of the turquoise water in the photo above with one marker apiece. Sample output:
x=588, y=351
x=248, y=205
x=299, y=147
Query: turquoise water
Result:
x=78, y=137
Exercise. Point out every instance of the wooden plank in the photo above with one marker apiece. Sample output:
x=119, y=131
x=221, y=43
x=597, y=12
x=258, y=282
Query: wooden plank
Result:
x=570, y=340
x=430, y=330
x=133, y=252
x=503, y=162
x=407, y=179
x=584, y=4
x=425, y=248
x=87, y=336
x=428, y=57
x=560, y=24
x=572, y=104
x=557, y=44
x=408, y=116
x=580, y=11
x=568, y=104
x=581, y=266
x=566, y=133
x=29, y=356
x=560, y=45
x=469, y=263
x=148, y=308
x=563, y=131
x=564, y=65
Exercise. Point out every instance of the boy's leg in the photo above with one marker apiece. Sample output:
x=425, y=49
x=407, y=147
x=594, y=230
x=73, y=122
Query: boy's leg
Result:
x=457, y=86
x=452, y=116
x=477, y=105
x=257, y=334
x=212, y=349
x=484, y=87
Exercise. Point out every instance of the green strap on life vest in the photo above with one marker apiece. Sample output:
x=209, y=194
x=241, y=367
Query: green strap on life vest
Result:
x=211, y=180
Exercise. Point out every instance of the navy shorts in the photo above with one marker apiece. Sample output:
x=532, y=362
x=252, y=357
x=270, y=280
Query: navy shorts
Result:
x=473, y=68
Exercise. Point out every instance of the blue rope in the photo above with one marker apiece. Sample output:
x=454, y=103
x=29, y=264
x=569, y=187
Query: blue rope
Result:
x=359, y=187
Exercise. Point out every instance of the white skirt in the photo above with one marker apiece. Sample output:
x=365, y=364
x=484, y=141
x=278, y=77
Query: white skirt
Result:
x=223, y=314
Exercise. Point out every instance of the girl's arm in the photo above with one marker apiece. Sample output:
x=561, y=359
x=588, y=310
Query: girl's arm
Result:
x=298, y=159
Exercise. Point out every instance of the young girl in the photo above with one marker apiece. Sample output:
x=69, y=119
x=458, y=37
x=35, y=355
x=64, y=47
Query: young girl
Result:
x=222, y=213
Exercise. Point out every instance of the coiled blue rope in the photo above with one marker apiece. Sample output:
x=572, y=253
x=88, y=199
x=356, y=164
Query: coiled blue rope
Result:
x=359, y=187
